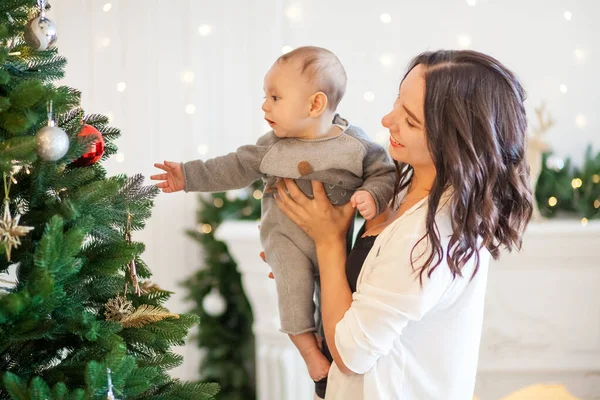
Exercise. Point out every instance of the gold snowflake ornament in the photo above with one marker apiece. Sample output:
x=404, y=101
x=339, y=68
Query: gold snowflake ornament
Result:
x=118, y=308
x=11, y=231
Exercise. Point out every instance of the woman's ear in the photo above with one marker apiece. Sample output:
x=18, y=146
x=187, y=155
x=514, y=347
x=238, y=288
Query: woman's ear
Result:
x=318, y=104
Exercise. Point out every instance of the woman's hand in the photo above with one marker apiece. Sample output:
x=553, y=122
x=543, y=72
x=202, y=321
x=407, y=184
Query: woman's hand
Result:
x=321, y=220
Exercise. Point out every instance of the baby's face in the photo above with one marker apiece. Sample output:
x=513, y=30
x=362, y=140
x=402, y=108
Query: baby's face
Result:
x=287, y=100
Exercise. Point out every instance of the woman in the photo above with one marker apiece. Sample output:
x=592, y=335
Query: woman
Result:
x=412, y=328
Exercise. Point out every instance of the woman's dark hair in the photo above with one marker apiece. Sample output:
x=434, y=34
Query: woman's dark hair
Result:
x=476, y=124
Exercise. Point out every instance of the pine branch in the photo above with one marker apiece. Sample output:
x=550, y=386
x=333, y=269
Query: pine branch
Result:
x=97, y=120
x=134, y=190
x=71, y=120
x=53, y=67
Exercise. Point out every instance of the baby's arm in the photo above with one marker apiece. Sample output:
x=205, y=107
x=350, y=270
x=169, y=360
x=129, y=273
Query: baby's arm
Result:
x=379, y=174
x=235, y=170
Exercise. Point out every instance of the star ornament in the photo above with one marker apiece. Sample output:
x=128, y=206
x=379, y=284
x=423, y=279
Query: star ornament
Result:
x=11, y=231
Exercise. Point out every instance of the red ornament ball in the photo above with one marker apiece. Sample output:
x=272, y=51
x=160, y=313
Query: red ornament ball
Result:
x=96, y=149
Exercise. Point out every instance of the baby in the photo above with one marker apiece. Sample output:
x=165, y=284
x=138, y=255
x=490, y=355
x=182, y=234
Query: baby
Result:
x=308, y=141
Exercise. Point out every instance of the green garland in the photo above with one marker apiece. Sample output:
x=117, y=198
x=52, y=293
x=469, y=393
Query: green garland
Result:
x=226, y=340
x=570, y=190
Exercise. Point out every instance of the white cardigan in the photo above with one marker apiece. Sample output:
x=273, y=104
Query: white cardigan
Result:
x=407, y=342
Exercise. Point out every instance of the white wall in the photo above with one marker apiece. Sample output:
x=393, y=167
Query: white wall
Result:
x=149, y=44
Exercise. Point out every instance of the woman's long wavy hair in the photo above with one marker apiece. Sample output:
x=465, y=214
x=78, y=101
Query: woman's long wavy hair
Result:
x=476, y=124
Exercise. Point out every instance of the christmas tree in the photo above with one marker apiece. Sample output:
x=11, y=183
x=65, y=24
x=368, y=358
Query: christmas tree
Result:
x=216, y=289
x=82, y=320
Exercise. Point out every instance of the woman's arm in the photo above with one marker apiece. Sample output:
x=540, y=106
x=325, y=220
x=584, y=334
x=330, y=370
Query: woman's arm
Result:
x=361, y=328
x=336, y=296
x=327, y=226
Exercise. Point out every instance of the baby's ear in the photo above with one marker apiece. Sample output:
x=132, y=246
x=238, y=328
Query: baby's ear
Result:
x=318, y=104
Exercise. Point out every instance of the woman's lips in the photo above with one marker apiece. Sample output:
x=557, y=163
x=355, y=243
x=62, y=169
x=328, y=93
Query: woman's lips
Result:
x=395, y=144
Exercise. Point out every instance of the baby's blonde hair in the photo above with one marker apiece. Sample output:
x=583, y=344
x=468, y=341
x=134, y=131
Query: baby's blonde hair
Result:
x=322, y=68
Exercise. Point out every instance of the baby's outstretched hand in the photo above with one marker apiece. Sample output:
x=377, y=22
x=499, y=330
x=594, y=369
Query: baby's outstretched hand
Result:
x=172, y=180
x=364, y=203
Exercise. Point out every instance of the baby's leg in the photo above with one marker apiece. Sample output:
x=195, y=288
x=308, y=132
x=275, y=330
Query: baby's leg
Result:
x=317, y=364
x=295, y=280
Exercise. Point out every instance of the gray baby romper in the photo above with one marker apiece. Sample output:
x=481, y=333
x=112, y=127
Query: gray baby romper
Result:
x=344, y=163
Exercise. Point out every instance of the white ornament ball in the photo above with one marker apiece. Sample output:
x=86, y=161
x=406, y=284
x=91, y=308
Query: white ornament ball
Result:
x=555, y=163
x=243, y=194
x=40, y=33
x=52, y=143
x=233, y=195
x=214, y=304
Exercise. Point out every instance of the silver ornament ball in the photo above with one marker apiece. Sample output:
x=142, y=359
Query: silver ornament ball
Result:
x=214, y=304
x=40, y=33
x=52, y=143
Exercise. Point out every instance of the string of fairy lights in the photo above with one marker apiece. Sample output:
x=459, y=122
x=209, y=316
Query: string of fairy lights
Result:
x=294, y=12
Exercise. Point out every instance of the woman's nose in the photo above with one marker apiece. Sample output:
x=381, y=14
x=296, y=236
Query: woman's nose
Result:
x=386, y=120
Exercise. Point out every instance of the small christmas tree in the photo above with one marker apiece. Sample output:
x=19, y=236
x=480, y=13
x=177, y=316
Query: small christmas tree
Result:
x=82, y=304
x=216, y=289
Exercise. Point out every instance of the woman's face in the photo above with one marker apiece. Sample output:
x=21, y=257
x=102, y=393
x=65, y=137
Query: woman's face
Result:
x=408, y=139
